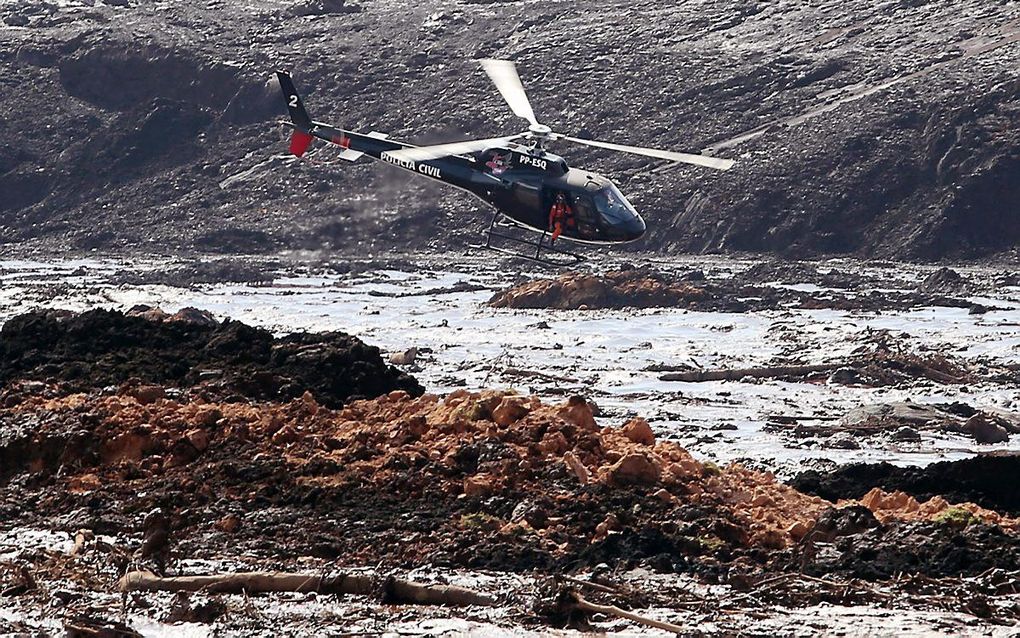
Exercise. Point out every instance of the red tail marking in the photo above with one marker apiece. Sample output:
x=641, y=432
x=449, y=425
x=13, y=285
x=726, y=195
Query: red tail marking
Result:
x=299, y=142
x=342, y=140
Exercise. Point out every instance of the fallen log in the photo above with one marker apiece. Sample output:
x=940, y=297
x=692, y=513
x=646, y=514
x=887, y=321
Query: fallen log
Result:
x=390, y=590
x=400, y=591
x=578, y=602
x=757, y=373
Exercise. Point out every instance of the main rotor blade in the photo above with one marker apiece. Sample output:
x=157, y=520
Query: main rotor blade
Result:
x=425, y=153
x=503, y=74
x=686, y=158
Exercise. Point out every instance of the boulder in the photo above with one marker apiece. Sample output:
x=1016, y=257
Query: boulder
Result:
x=405, y=358
x=984, y=430
x=578, y=412
x=638, y=430
x=944, y=281
x=478, y=485
x=146, y=394
x=199, y=439
x=633, y=469
x=511, y=409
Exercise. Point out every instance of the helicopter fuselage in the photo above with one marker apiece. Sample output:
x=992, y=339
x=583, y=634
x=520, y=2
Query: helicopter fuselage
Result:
x=522, y=183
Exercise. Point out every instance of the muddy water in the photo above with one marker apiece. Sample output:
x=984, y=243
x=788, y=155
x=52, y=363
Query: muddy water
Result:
x=602, y=354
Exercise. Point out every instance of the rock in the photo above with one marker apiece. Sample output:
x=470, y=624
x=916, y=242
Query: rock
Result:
x=841, y=521
x=576, y=467
x=207, y=416
x=322, y=7
x=877, y=499
x=229, y=523
x=198, y=438
x=842, y=441
x=285, y=435
x=194, y=316
x=554, y=443
x=609, y=524
x=511, y=409
x=797, y=531
x=16, y=20
x=578, y=412
x=633, y=469
x=906, y=434
x=985, y=431
x=845, y=376
x=405, y=358
x=84, y=483
x=156, y=533
x=944, y=281
x=664, y=495
x=638, y=430
x=896, y=414
x=478, y=485
x=311, y=405
x=530, y=513
x=147, y=394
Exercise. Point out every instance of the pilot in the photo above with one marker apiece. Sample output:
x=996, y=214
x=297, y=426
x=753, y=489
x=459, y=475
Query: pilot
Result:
x=560, y=215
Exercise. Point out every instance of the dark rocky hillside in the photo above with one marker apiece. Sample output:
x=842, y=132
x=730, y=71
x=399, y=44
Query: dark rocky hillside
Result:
x=883, y=129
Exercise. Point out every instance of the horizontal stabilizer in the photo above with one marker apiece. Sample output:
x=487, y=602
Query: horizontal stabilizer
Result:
x=350, y=155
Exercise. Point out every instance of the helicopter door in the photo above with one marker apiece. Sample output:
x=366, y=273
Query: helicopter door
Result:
x=586, y=216
x=528, y=200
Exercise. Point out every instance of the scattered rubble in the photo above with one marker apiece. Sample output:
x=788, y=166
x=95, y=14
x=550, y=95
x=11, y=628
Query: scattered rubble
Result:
x=904, y=421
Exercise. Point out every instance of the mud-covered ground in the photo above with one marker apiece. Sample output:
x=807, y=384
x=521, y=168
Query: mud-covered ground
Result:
x=125, y=451
x=883, y=129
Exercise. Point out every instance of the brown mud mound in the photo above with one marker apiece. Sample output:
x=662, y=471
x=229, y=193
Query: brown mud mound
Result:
x=644, y=287
x=477, y=480
x=989, y=481
x=188, y=350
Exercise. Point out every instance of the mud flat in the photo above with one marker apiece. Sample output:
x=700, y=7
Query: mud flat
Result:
x=530, y=501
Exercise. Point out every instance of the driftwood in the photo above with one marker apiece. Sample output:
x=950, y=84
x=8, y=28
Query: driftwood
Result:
x=578, y=602
x=757, y=373
x=390, y=590
x=518, y=372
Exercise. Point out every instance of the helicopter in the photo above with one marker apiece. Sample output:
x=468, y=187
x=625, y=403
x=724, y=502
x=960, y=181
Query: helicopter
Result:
x=526, y=185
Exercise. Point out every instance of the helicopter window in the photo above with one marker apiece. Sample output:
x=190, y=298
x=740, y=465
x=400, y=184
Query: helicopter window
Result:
x=583, y=209
x=612, y=205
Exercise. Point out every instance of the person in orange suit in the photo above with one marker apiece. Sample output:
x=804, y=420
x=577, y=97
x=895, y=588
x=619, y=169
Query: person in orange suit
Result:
x=560, y=216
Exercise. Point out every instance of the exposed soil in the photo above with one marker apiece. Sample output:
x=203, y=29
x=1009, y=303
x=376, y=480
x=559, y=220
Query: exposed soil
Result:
x=886, y=130
x=476, y=480
x=191, y=351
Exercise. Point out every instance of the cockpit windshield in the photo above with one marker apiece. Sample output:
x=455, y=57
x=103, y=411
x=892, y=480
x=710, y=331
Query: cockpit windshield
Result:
x=612, y=205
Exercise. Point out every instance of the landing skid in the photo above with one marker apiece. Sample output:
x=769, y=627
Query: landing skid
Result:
x=554, y=257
